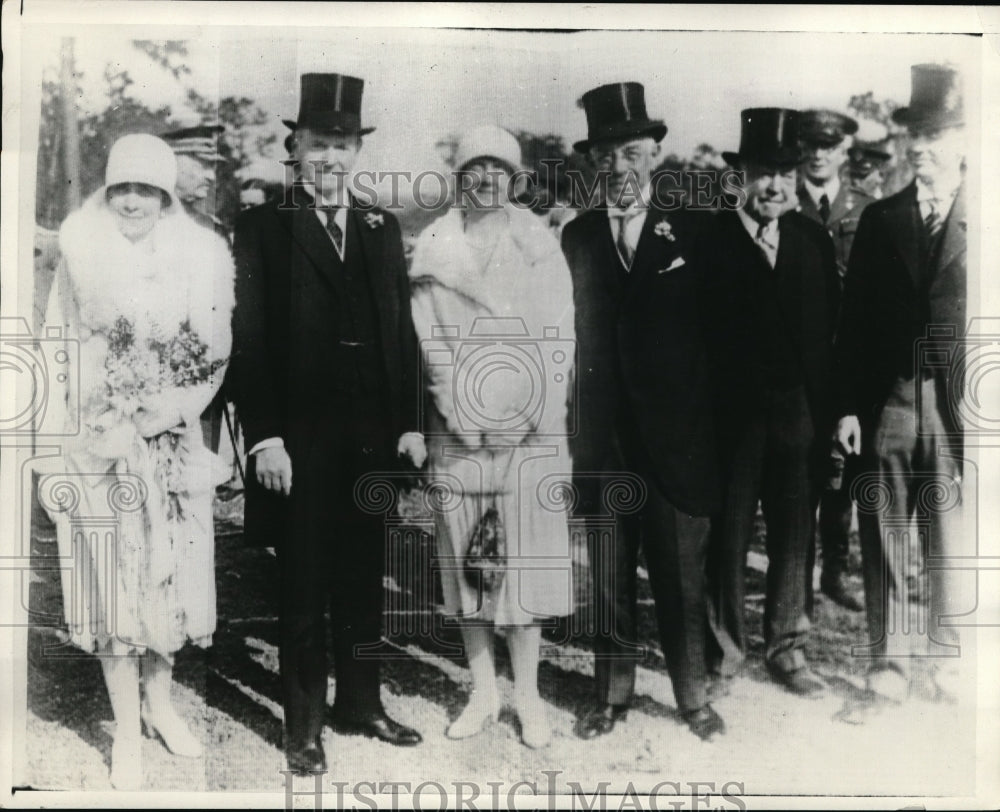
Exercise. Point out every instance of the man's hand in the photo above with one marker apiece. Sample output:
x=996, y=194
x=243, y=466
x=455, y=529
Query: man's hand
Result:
x=274, y=469
x=412, y=445
x=848, y=434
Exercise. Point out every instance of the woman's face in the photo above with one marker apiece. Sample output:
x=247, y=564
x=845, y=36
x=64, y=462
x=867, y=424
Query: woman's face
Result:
x=485, y=183
x=136, y=207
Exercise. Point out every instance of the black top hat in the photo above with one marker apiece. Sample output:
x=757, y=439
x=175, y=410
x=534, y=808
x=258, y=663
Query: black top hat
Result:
x=617, y=111
x=768, y=135
x=826, y=128
x=935, y=98
x=330, y=102
x=866, y=157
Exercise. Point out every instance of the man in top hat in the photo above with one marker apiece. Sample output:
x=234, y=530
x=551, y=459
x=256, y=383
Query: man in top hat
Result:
x=327, y=388
x=197, y=152
x=642, y=408
x=907, y=280
x=771, y=294
x=823, y=196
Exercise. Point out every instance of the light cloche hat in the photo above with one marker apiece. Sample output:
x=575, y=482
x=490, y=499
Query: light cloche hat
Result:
x=142, y=158
x=488, y=141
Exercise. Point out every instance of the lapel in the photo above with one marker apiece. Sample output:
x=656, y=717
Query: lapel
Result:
x=370, y=240
x=903, y=222
x=312, y=241
x=603, y=251
x=954, y=240
x=839, y=208
x=653, y=252
x=788, y=270
x=806, y=205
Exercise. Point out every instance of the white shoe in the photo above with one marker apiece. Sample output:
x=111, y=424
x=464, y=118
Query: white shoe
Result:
x=535, y=729
x=174, y=733
x=126, y=763
x=474, y=717
x=947, y=685
x=888, y=684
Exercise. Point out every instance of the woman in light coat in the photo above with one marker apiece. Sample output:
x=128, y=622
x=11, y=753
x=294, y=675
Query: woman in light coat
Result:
x=493, y=308
x=148, y=296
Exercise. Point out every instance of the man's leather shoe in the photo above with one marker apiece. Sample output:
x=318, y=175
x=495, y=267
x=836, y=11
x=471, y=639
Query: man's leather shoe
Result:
x=600, y=719
x=718, y=686
x=800, y=681
x=836, y=589
x=378, y=725
x=705, y=722
x=306, y=760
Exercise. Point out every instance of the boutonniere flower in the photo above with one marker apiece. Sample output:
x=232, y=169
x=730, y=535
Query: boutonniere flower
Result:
x=664, y=229
x=374, y=219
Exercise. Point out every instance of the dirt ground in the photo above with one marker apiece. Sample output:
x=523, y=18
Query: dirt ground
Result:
x=230, y=694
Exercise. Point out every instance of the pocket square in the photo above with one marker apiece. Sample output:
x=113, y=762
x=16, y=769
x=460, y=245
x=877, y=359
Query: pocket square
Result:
x=677, y=263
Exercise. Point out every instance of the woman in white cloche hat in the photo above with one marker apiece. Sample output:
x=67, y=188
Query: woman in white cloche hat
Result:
x=148, y=296
x=492, y=296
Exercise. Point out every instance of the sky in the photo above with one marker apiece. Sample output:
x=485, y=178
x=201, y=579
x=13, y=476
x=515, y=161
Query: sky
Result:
x=424, y=83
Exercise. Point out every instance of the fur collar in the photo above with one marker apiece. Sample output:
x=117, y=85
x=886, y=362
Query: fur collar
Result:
x=179, y=271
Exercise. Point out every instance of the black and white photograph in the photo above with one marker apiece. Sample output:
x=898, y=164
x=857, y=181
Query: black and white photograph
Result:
x=419, y=405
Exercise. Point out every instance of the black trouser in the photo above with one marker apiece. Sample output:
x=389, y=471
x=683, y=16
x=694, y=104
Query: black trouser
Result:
x=674, y=545
x=769, y=463
x=913, y=490
x=334, y=559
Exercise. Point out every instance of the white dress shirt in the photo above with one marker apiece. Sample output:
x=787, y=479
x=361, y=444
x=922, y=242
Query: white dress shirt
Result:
x=938, y=198
x=634, y=217
x=831, y=189
x=766, y=236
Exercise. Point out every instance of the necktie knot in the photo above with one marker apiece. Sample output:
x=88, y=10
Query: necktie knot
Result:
x=824, y=207
x=335, y=231
x=932, y=221
x=624, y=246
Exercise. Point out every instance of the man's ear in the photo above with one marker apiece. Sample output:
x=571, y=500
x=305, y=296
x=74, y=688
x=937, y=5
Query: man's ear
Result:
x=657, y=149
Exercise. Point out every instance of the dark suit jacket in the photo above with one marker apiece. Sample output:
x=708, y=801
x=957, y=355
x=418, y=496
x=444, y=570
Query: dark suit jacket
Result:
x=808, y=290
x=895, y=289
x=284, y=331
x=641, y=353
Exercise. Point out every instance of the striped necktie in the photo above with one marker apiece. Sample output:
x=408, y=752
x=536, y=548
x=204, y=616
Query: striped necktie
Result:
x=335, y=231
x=933, y=222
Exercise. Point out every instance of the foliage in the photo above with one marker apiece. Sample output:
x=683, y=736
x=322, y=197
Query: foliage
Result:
x=122, y=114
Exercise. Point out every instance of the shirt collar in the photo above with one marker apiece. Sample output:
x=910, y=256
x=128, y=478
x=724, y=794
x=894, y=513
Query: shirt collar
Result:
x=637, y=207
x=831, y=189
x=752, y=226
x=945, y=194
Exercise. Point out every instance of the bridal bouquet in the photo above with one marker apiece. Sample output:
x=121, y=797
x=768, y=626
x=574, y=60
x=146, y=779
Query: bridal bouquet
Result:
x=151, y=369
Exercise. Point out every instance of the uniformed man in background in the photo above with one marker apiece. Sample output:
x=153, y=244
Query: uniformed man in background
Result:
x=825, y=197
x=198, y=157
x=197, y=152
x=866, y=170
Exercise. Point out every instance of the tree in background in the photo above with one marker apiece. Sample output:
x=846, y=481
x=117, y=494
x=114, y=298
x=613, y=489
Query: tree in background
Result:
x=243, y=141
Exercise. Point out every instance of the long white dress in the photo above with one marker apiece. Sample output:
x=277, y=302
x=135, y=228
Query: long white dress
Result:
x=134, y=514
x=496, y=332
